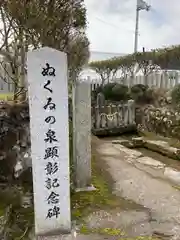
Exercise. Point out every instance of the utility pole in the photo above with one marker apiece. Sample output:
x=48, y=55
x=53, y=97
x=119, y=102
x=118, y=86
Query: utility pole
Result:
x=141, y=5
x=136, y=31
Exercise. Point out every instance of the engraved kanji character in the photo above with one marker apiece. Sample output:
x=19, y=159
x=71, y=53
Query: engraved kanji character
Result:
x=50, y=136
x=53, y=212
x=51, y=152
x=53, y=198
x=51, y=168
x=52, y=183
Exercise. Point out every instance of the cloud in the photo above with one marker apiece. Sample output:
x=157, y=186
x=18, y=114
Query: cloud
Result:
x=112, y=22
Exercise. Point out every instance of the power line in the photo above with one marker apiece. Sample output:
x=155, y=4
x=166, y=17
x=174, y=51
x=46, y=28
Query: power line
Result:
x=109, y=23
x=95, y=51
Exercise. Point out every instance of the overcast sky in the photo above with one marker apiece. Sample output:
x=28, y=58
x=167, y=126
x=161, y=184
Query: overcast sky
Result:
x=111, y=25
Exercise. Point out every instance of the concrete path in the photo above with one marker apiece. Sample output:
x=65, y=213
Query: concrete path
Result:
x=158, y=196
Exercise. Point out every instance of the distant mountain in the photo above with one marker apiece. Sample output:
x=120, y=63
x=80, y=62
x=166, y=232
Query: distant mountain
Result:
x=98, y=56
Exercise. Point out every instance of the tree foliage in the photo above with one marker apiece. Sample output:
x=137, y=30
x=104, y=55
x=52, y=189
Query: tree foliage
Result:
x=165, y=58
x=78, y=53
x=10, y=52
x=54, y=23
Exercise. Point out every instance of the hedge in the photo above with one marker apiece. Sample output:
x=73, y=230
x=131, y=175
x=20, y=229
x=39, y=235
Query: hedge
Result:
x=165, y=58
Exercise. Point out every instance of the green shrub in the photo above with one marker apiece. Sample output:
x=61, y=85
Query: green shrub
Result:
x=142, y=94
x=115, y=92
x=137, y=91
x=175, y=95
x=107, y=91
x=120, y=92
x=95, y=92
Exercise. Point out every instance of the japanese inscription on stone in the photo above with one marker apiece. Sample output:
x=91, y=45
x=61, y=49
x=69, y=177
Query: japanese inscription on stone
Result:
x=51, y=151
x=48, y=100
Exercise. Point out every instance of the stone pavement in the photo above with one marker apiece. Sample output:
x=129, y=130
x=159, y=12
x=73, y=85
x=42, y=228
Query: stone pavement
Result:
x=133, y=182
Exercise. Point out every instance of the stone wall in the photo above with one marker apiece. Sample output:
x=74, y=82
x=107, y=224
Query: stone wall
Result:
x=164, y=121
x=14, y=141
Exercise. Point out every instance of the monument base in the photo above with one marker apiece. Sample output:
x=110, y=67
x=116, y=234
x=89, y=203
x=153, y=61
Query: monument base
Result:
x=70, y=236
x=86, y=189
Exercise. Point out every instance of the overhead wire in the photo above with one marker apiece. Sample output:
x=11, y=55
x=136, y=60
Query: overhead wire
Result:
x=108, y=23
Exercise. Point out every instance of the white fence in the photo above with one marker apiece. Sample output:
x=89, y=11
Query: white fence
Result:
x=165, y=80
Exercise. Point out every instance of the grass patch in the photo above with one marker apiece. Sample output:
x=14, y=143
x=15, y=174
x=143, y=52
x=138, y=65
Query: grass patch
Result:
x=152, y=136
x=102, y=231
x=83, y=203
x=6, y=96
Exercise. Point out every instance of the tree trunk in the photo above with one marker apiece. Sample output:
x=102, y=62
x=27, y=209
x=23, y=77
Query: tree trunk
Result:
x=22, y=77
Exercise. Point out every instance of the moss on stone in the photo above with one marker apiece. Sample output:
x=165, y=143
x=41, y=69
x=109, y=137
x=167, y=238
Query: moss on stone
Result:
x=176, y=187
x=151, y=136
x=83, y=203
x=173, y=142
x=113, y=232
x=104, y=231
